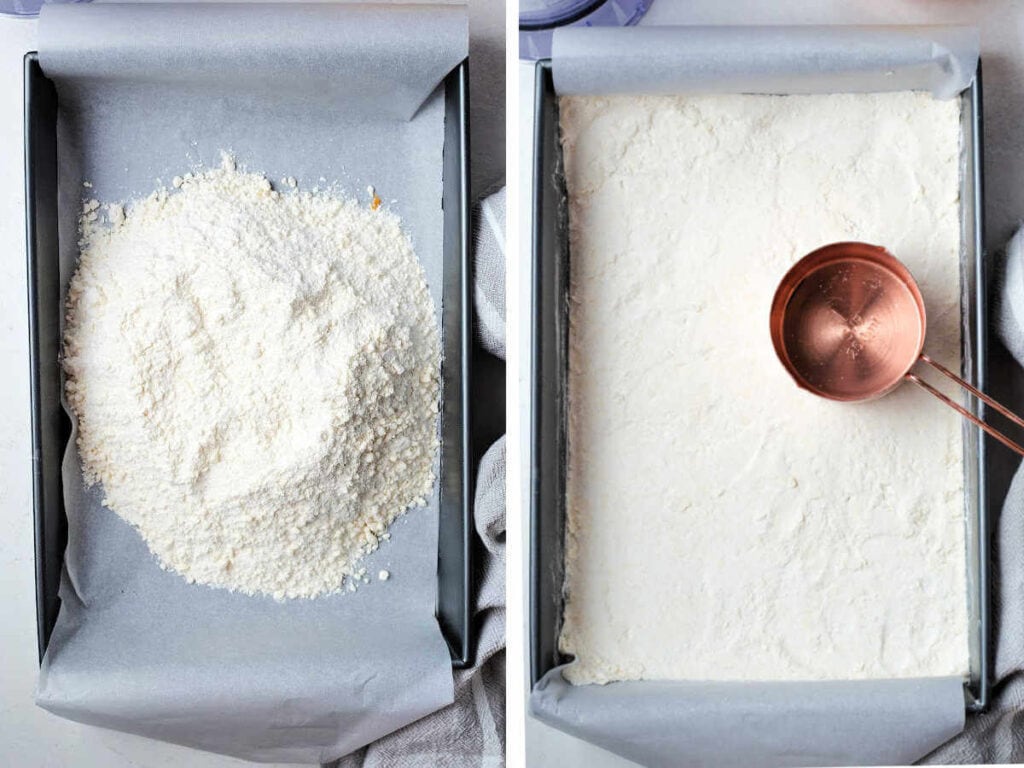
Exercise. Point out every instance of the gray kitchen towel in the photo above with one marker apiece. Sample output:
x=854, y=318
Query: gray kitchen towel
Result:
x=489, y=277
x=997, y=736
x=1010, y=307
x=470, y=733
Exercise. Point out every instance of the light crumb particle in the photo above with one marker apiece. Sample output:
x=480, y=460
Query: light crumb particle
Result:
x=115, y=212
x=177, y=181
x=384, y=575
x=87, y=184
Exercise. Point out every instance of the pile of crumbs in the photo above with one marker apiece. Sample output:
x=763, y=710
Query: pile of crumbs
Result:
x=255, y=378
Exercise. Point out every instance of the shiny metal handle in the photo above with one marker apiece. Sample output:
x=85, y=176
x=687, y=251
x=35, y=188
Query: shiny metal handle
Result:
x=963, y=411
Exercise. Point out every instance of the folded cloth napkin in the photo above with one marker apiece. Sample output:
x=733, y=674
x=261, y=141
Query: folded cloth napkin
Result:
x=997, y=736
x=489, y=277
x=471, y=731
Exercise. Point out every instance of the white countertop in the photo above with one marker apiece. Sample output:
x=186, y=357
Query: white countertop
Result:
x=1002, y=38
x=31, y=737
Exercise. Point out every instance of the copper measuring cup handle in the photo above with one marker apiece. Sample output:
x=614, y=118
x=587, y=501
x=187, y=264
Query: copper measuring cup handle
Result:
x=963, y=411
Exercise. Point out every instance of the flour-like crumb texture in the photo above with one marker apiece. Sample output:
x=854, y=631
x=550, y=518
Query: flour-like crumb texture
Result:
x=722, y=523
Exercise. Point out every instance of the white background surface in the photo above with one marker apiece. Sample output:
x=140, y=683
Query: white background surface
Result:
x=29, y=736
x=1002, y=38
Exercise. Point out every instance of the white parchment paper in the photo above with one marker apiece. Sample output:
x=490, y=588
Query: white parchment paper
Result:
x=807, y=59
x=735, y=725
x=701, y=723
x=322, y=93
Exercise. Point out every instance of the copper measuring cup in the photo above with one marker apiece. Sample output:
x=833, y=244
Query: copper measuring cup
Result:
x=848, y=324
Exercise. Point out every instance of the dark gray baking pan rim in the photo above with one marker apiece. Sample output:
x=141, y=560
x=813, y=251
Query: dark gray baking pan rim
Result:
x=51, y=427
x=548, y=384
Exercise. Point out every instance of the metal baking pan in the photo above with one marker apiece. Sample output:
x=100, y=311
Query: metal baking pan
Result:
x=51, y=427
x=549, y=347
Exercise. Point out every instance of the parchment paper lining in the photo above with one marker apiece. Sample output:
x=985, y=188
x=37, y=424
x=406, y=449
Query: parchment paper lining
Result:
x=668, y=723
x=145, y=93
